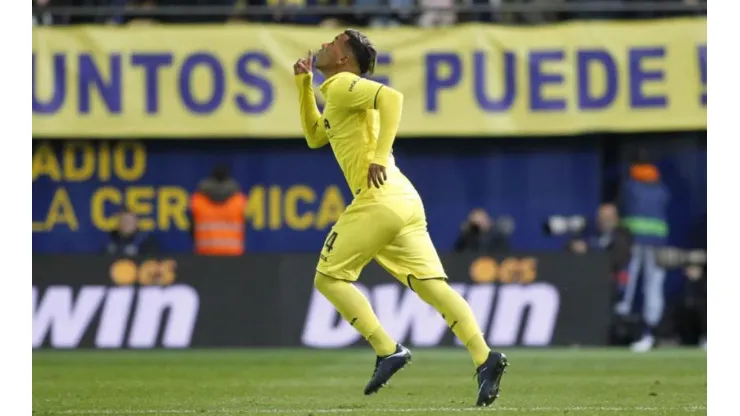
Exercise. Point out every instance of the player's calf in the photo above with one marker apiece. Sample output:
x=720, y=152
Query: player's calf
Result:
x=386, y=367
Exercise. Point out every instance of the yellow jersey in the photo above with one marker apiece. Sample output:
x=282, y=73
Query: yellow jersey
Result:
x=351, y=124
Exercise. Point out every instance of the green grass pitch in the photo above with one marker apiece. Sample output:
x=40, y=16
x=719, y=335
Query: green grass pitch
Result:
x=305, y=382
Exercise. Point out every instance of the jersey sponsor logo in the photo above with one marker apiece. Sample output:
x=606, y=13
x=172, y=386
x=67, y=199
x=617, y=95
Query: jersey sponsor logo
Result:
x=508, y=315
x=352, y=85
x=124, y=316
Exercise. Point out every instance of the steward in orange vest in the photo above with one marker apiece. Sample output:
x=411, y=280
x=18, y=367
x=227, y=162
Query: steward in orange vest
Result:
x=218, y=215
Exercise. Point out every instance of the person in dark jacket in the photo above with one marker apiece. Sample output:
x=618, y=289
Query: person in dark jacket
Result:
x=610, y=236
x=479, y=235
x=694, y=306
x=616, y=240
x=127, y=240
x=645, y=204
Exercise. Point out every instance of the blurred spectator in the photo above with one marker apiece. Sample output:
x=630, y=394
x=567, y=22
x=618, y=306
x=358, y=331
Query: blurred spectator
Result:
x=190, y=17
x=612, y=13
x=697, y=11
x=651, y=14
x=399, y=12
x=479, y=234
x=127, y=240
x=282, y=11
x=616, y=240
x=338, y=19
x=241, y=12
x=139, y=12
x=534, y=13
x=693, y=310
x=217, y=209
x=42, y=15
x=285, y=11
x=480, y=16
x=611, y=237
x=434, y=14
x=645, y=202
x=696, y=3
x=646, y=14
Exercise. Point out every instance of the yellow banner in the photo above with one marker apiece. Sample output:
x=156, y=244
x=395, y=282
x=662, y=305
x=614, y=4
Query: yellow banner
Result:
x=472, y=80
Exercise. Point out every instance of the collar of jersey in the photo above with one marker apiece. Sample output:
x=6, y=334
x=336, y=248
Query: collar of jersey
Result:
x=325, y=85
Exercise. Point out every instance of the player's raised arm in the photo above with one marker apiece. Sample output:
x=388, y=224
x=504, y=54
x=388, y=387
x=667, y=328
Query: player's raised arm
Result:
x=310, y=115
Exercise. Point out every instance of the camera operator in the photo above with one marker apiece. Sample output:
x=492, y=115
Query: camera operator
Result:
x=480, y=234
x=608, y=236
x=614, y=239
x=692, y=309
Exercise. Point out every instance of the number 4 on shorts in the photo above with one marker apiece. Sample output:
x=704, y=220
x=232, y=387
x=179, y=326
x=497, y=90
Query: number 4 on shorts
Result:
x=330, y=241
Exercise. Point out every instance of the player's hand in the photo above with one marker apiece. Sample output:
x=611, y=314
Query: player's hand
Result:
x=376, y=175
x=303, y=65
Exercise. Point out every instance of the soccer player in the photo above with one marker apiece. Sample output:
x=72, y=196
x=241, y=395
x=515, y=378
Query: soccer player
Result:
x=386, y=219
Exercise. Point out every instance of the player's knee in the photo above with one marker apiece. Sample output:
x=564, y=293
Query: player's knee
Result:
x=428, y=289
x=318, y=281
x=415, y=282
x=321, y=282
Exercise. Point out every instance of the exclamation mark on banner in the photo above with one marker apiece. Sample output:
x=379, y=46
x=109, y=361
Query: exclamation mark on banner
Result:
x=702, y=52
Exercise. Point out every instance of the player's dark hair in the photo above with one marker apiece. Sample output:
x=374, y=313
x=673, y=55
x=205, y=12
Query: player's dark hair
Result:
x=363, y=50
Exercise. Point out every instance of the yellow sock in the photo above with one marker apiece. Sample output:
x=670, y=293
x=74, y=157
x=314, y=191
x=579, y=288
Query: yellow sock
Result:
x=356, y=309
x=478, y=348
x=457, y=314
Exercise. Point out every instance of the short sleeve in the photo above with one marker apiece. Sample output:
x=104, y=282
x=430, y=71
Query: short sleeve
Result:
x=356, y=93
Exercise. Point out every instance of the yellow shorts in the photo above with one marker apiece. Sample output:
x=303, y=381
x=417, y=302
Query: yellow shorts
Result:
x=393, y=232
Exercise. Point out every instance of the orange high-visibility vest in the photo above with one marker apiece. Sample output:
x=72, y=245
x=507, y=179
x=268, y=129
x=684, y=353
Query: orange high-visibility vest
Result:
x=219, y=228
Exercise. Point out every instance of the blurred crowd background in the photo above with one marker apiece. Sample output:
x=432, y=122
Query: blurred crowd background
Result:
x=375, y=13
x=639, y=196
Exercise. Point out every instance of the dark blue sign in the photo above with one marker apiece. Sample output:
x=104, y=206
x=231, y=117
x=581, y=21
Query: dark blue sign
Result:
x=295, y=194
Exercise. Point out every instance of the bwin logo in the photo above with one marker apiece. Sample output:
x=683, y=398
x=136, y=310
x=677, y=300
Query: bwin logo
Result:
x=64, y=319
x=530, y=310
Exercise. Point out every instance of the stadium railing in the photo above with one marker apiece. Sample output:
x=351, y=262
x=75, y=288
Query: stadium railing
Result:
x=604, y=7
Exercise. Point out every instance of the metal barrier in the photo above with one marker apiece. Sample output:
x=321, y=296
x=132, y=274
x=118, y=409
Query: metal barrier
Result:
x=604, y=7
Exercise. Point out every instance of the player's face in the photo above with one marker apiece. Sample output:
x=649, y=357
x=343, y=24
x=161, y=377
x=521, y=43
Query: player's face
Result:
x=332, y=54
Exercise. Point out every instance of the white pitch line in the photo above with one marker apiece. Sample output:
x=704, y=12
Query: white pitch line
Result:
x=684, y=409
